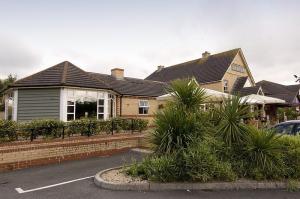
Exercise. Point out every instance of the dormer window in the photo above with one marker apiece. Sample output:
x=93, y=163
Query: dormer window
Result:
x=237, y=68
x=225, y=85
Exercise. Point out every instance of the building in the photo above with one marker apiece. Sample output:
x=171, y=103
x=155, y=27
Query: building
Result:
x=66, y=92
x=221, y=72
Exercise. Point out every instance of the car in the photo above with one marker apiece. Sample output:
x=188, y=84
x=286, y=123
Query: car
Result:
x=291, y=127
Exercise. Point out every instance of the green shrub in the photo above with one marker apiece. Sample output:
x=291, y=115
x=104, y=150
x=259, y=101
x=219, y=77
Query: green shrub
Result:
x=47, y=128
x=161, y=169
x=291, y=154
x=139, y=124
x=262, y=155
x=104, y=126
x=175, y=130
x=203, y=165
x=86, y=127
x=230, y=127
x=8, y=130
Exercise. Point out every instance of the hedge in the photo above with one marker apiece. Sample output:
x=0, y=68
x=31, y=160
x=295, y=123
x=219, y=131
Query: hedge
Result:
x=10, y=130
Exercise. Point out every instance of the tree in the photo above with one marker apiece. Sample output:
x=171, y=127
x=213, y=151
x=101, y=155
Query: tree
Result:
x=3, y=85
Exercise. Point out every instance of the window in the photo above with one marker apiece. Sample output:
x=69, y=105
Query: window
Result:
x=238, y=68
x=285, y=129
x=297, y=129
x=143, y=107
x=70, y=110
x=225, y=84
x=111, y=101
x=100, y=109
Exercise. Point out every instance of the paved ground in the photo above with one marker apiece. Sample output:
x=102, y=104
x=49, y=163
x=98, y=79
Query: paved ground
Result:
x=33, y=178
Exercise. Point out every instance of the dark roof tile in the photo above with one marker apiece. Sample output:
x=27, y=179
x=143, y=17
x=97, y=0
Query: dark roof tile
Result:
x=204, y=70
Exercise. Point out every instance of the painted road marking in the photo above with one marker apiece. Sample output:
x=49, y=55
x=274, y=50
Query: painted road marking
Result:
x=20, y=190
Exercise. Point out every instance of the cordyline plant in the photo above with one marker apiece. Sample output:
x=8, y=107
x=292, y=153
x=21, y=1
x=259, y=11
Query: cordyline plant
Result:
x=233, y=111
x=177, y=125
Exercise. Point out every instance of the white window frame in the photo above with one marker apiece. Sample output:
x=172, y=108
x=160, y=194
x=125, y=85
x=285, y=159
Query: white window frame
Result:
x=74, y=112
x=225, y=85
x=99, y=106
x=143, y=106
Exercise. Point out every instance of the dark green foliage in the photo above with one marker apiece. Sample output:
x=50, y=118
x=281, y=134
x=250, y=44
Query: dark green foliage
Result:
x=187, y=94
x=230, y=127
x=263, y=155
x=8, y=130
x=203, y=165
x=86, y=127
x=161, y=169
x=291, y=154
x=175, y=130
x=46, y=128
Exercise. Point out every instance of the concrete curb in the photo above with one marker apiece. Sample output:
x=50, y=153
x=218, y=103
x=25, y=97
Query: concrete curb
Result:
x=152, y=186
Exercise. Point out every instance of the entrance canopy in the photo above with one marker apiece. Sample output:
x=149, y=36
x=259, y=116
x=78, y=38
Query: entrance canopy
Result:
x=212, y=95
x=260, y=99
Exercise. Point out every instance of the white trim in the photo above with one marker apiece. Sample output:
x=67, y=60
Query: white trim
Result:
x=106, y=106
x=63, y=105
x=15, y=106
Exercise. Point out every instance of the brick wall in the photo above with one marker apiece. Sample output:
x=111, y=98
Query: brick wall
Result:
x=17, y=155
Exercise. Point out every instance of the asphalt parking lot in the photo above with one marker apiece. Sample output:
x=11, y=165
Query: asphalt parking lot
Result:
x=74, y=180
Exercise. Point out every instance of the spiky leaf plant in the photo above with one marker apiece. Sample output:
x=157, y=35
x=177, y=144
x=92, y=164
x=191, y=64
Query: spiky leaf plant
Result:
x=230, y=127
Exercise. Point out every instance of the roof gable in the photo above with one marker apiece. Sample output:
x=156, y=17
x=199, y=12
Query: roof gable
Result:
x=204, y=70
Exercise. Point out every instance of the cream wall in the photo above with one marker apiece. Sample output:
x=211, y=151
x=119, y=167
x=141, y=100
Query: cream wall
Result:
x=232, y=75
x=130, y=107
x=217, y=86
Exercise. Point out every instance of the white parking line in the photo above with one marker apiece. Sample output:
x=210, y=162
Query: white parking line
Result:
x=20, y=190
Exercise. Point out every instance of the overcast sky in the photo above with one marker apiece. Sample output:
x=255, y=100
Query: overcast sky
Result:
x=139, y=35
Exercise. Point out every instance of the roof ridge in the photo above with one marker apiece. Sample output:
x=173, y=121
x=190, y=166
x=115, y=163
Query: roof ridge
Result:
x=198, y=59
x=64, y=74
x=30, y=76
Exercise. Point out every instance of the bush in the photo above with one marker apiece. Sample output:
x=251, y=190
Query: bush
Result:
x=161, y=169
x=203, y=165
x=86, y=127
x=230, y=127
x=291, y=154
x=262, y=155
x=139, y=124
x=47, y=128
x=175, y=130
x=8, y=130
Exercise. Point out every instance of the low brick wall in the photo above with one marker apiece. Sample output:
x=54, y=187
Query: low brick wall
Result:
x=18, y=155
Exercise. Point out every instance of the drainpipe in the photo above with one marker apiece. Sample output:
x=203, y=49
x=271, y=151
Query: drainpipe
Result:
x=121, y=105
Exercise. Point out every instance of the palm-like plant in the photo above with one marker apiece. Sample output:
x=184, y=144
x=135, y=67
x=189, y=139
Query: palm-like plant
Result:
x=187, y=94
x=230, y=127
x=263, y=150
x=177, y=125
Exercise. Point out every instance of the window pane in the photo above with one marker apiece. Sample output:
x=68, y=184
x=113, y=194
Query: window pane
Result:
x=100, y=109
x=101, y=102
x=70, y=117
x=71, y=109
x=70, y=103
x=143, y=110
x=100, y=116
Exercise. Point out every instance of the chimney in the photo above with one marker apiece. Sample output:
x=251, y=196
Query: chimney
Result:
x=118, y=73
x=160, y=67
x=205, y=54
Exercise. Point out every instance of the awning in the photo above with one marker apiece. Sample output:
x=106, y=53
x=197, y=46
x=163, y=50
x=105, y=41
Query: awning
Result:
x=212, y=95
x=260, y=99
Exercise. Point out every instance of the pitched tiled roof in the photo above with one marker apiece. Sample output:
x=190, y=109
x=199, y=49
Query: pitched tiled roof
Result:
x=272, y=89
x=67, y=74
x=133, y=86
x=62, y=74
x=239, y=84
x=248, y=90
x=204, y=70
